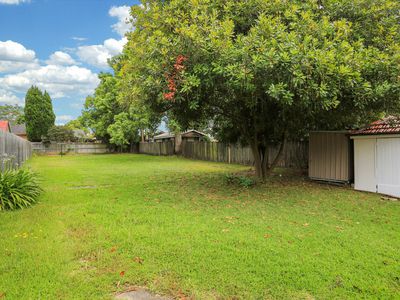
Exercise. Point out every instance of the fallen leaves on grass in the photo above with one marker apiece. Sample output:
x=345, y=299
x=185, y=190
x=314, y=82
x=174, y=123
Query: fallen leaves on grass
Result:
x=122, y=273
x=113, y=249
x=181, y=295
x=306, y=224
x=267, y=236
x=339, y=228
x=138, y=260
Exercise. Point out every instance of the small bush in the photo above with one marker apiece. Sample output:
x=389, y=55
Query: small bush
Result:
x=243, y=181
x=18, y=189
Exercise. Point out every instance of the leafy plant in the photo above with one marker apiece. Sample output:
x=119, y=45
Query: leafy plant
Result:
x=241, y=180
x=18, y=189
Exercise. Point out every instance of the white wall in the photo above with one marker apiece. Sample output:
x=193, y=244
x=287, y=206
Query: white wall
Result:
x=377, y=164
x=388, y=166
x=364, y=164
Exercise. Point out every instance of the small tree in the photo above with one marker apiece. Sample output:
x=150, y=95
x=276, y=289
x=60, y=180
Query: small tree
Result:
x=60, y=134
x=123, y=131
x=39, y=115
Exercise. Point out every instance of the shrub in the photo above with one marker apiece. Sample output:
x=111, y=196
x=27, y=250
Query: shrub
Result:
x=243, y=181
x=18, y=189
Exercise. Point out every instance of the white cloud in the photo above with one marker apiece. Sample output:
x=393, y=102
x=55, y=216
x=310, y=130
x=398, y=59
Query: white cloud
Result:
x=59, y=81
x=97, y=55
x=10, y=50
x=123, y=14
x=15, y=66
x=14, y=2
x=79, y=39
x=60, y=58
x=7, y=97
x=14, y=57
x=62, y=119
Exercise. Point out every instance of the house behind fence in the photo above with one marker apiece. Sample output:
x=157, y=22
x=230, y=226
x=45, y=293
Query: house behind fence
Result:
x=14, y=151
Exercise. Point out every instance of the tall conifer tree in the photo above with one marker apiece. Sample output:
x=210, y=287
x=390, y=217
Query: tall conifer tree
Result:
x=39, y=114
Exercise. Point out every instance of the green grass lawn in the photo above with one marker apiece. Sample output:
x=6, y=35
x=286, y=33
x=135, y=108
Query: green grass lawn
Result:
x=107, y=223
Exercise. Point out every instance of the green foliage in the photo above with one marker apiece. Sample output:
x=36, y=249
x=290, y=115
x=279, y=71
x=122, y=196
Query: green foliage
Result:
x=12, y=113
x=264, y=71
x=123, y=131
x=39, y=114
x=60, y=133
x=114, y=120
x=77, y=124
x=100, y=109
x=18, y=189
x=243, y=181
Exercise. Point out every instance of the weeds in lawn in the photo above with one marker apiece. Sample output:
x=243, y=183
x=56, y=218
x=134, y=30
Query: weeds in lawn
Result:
x=240, y=180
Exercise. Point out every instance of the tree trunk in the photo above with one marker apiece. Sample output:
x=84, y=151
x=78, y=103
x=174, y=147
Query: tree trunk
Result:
x=142, y=134
x=260, y=153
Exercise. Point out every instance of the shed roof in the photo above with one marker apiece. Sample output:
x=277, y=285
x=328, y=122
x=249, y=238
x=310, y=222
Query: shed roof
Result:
x=388, y=125
x=4, y=126
x=193, y=132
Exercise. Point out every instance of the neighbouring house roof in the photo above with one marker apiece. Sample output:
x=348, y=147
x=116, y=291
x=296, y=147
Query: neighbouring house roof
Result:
x=5, y=126
x=388, y=125
x=19, y=129
x=79, y=133
x=165, y=135
x=192, y=132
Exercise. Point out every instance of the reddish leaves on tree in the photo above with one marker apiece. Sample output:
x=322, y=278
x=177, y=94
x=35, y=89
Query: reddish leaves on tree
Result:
x=171, y=78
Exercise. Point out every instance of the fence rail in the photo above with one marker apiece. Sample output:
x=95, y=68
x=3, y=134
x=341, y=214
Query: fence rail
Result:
x=79, y=148
x=295, y=154
x=14, y=151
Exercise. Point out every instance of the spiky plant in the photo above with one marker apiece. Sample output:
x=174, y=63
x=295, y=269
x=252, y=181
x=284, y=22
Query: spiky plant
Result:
x=18, y=189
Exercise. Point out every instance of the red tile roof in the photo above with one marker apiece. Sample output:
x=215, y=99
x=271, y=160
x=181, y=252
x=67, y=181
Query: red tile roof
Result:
x=388, y=125
x=4, y=126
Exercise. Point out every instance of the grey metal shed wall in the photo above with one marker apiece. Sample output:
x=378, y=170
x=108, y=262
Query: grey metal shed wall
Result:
x=330, y=156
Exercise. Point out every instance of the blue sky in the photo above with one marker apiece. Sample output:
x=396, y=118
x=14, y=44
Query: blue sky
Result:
x=60, y=46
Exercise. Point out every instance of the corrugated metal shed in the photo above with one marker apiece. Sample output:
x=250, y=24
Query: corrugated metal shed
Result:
x=330, y=156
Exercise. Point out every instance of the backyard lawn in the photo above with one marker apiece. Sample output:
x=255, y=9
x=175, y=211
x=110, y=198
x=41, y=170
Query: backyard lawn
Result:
x=109, y=223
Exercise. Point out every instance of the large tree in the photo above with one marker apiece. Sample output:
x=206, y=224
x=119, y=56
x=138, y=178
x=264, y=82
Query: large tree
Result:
x=264, y=71
x=39, y=114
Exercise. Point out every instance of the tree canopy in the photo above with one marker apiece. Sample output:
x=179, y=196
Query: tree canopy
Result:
x=39, y=114
x=60, y=133
x=114, y=120
x=12, y=113
x=264, y=71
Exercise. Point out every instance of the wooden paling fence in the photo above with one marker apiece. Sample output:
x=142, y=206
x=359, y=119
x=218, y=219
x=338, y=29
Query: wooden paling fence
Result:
x=295, y=154
x=157, y=148
x=13, y=150
x=79, y=148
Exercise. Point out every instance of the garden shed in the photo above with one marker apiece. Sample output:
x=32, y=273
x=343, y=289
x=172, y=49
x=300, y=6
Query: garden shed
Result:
x=377, y=157
x=330, y=156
